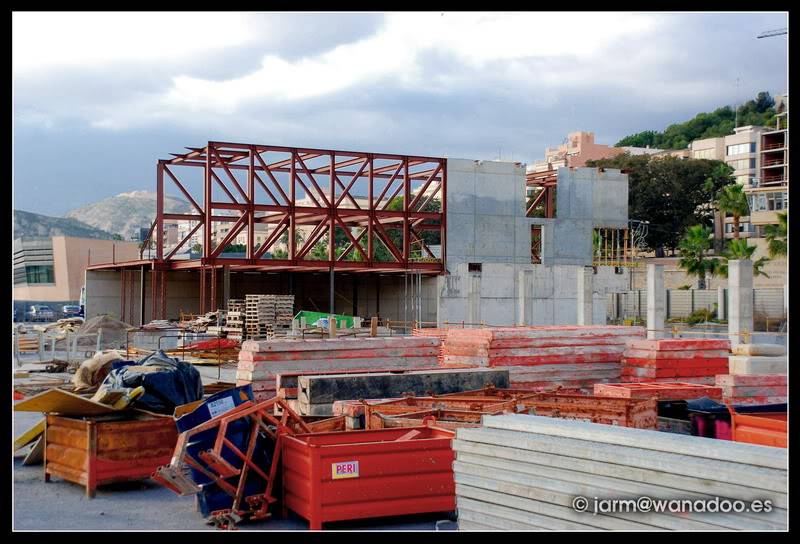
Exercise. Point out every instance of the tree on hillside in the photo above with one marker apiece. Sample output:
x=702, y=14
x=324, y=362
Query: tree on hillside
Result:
x=732, y=200
x=671, y=193
x=721, y=122
x=776, y=236
x=693, y=248
x=738, y=250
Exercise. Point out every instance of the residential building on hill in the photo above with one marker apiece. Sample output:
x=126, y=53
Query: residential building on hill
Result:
x=580, y=147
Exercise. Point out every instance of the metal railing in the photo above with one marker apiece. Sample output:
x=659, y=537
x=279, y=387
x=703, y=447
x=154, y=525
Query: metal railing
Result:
x=44, y=340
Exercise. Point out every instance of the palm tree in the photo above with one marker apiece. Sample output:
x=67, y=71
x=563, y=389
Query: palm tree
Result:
x=693, y=247
x=732, y=200
x=776, y=236
x=738, y=250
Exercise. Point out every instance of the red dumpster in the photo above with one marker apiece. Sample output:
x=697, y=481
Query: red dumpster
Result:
x=365, y=474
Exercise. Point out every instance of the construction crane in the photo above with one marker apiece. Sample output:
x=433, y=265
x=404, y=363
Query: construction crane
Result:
x=776, y=32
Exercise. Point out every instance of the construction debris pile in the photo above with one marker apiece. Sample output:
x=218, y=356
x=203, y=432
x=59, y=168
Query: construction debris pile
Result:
x=508, y=425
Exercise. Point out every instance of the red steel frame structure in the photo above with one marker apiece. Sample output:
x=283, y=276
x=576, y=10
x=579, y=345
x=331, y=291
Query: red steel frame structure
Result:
x=547, y=181
x=289, y=188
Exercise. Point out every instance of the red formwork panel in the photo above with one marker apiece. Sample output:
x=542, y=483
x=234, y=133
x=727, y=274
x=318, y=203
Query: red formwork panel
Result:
x=661, y=391
x=365, y=474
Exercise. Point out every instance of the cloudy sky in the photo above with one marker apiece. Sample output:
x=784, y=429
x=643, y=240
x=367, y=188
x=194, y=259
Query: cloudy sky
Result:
x=99, y=97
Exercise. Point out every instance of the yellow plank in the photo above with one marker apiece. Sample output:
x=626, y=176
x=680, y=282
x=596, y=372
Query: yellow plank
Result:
x=62, y=402
x=30, y=435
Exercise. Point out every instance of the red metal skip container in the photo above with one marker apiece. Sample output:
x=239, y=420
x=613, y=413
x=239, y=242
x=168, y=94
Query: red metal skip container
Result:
x=365, y=474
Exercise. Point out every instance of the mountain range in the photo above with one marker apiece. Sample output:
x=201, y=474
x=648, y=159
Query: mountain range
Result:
x=34, y=224
x=122, y=215
x=126, y=213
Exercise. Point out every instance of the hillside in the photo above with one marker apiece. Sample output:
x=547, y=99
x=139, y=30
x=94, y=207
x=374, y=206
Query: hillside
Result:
x=720, y=122
x=34, y=224
x=126, y=212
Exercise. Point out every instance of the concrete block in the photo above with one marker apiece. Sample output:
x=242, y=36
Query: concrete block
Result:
x=743, y=364
x=769, y=350
x=329, y=388
x=584, y=301
x=708, y=448
x=699, y=483
x=552, y=511
x=667, y=462
x=549, y=489
x=740, y=298
x=656, y=301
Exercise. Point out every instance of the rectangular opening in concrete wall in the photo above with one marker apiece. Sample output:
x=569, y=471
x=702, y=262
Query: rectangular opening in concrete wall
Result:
x=475, y=267
x=536, y=244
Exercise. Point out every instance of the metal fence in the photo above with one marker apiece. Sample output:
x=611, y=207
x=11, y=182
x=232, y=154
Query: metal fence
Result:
x=767, y=303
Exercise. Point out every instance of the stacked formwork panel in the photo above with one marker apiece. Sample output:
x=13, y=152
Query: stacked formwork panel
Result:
x=756, y=375
x=261, y=361
x=543, y=357
x=675, y=360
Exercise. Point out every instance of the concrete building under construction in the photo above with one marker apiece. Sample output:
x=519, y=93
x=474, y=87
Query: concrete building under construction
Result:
x=401, y=237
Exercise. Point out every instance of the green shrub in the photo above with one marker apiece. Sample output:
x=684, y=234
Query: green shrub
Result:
x=701, y=315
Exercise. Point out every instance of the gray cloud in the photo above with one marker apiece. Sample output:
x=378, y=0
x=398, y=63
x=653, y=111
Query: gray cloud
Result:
x=688, y=63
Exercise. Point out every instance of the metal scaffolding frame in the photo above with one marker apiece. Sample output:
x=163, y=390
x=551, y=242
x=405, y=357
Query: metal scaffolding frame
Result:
x=288, y=189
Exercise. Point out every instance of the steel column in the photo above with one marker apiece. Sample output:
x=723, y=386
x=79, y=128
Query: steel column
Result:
x=331, y=295
x=141, y=296
x=163, y=294
x=122, y=293
x=153, y=292
x=213, y=289
x=160, y=211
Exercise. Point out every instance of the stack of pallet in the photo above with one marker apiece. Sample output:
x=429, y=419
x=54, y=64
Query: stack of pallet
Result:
x=284, y=312
x=259, y=314
x=543, y=358
x=520, y=472
x=234, y=320
x=260, y=362
x=757, y=375
x=675, y=360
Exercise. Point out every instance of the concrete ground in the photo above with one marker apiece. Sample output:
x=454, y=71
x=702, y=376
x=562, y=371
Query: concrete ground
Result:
x=61, y=505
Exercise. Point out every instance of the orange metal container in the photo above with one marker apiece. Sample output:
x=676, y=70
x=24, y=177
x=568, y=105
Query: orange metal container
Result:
x=365, y=474
x=90, y=451
x=766, y=429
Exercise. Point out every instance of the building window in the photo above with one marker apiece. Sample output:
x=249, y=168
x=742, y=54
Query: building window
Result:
x=710, y=153
x=39, y=274
x=742, y=164
x=743, y=228
x=475, y=267
x=769, y=202
x=739, y=149
x=747, y=181
x=536, y=244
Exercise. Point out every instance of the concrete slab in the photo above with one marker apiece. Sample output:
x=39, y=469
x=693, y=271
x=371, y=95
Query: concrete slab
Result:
x=745, y=365
x=708, y=448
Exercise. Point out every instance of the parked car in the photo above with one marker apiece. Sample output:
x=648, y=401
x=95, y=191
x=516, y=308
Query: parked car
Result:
x=70, y=310
x=40, y=313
